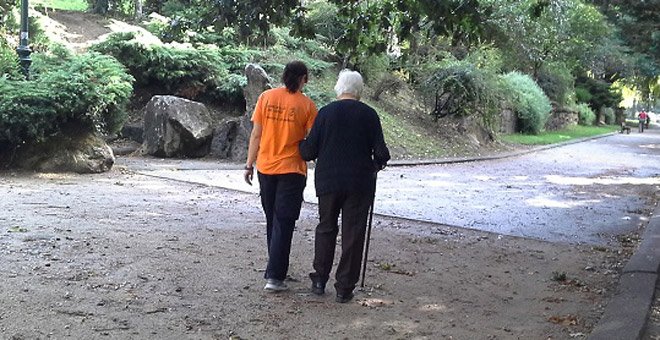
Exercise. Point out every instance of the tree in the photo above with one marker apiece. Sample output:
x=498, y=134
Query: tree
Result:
x=639, y=29
x=534, y=32
x=5, y=11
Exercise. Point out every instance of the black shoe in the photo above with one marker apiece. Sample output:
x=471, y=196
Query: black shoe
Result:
x=343, y=298
x=318, y=287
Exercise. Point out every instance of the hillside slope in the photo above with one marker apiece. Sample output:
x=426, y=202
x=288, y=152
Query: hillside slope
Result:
x=409, y=131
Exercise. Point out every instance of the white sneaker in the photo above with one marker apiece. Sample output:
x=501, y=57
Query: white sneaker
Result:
x=273, y=285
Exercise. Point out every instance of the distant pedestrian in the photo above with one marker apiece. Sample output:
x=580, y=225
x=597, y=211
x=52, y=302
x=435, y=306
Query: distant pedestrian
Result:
x=347, y=143
x=281, y=119
x=642, y=120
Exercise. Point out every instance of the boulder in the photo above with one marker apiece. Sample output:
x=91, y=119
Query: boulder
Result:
x=257, y=82
x=82, y=153
x=224, y=136
x=176, y=127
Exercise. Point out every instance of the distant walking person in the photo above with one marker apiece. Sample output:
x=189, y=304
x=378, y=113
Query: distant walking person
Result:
x=347, y=143
x=282, y=118
x=642, y=120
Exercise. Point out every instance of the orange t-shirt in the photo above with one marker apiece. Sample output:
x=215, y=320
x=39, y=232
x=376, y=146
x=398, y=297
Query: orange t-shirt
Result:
x=285, y=118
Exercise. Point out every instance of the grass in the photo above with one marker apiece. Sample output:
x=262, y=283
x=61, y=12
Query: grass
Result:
x=69, y=5
x=552, y=137
x=407, y=140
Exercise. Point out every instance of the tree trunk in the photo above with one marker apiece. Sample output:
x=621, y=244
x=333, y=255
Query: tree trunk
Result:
x=100, y=7
x=138, y=9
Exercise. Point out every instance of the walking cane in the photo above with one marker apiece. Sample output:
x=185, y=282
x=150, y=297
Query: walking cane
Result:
x=368, y=238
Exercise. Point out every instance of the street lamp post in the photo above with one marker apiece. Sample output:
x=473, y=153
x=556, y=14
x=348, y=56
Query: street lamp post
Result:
x=23, y=49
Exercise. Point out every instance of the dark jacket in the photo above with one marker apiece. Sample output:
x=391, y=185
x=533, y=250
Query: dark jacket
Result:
x=347, y=142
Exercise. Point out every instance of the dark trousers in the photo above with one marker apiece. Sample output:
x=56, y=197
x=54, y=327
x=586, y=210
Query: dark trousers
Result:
x=354, y=208
x=281, y=199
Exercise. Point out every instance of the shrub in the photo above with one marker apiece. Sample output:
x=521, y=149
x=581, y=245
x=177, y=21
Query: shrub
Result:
x=9, y=66
x=206, y=71
x=89, y=89
x=608, y=115
x=556, y=81
x=458, y=88
x=528, y=101
x=582, y=94
x=586, y=115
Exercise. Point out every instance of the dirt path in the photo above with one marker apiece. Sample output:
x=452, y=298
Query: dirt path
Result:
x=125, y=256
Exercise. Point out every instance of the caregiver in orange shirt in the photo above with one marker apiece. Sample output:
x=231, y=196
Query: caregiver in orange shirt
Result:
x=282, y=118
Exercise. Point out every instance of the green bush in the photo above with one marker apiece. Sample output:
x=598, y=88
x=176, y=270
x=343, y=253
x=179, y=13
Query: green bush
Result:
x=216, y=73
x=458, y=88
x=582, y=94
x=586, y=115
x=89, y=89
x=556, y=81
x=608, y=115
x=528, y=101
x=9, y=66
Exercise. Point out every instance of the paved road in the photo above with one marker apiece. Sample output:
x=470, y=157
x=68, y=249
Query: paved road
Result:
x=582, y=192
x=585, y=192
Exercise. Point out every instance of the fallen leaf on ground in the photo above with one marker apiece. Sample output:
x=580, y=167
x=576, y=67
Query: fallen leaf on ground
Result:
x=566, y=320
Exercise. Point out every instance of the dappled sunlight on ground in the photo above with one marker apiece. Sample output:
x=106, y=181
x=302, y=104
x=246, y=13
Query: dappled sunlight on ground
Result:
x=546, y=202
x=47, y=175
x=434, y=307
x=650, y=146
x=484, y=178
x=564, y=180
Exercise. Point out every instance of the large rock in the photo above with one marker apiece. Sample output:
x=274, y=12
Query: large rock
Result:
x=224, y=136
x=176, y=127
x=257, y=82
x=82, y=153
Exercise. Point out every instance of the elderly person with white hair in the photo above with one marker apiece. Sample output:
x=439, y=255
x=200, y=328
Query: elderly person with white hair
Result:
x=347, y=142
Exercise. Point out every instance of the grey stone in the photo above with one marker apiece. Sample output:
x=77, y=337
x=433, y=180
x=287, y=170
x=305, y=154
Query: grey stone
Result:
x=133, y=131
x=81, y=152
x=176, y=127
x=257, y=82
x=224, y=136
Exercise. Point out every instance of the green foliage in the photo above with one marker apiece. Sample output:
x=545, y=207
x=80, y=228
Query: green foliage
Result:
x=586, y=115
x=89, y=89
x=597, y=93
x=323, y=17
x=250, y=20
x=458, y=88
x=6, y=7
x=582, y=94
x=532, y=33
x=557, y=82
x=608, y=115
x=528, y=101
x=486, y=57
x=553, y=137
x=191, y=72
x=69, y=5
x=9, y=66
x=117, y=7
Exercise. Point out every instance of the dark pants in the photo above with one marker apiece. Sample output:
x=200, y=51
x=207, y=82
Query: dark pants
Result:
x=354, y=208
x=281, y=199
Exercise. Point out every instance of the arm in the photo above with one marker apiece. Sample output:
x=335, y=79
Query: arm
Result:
x=381, y=152
x=309, y=147
x=253, y=149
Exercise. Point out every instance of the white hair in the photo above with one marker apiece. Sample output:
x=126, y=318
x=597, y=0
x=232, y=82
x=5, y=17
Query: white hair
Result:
x=349, y=82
